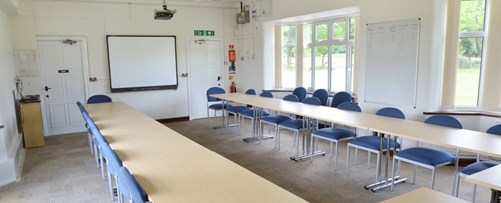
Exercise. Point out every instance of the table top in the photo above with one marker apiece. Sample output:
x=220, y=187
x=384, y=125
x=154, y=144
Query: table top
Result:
x=424, y=195
x=462, y=139
x=489, y=178
x=172, y=168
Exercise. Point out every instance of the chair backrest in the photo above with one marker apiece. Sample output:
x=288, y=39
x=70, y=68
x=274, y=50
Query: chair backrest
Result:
x=250, y=92
x=112, y=160
x=81, y=107
x=495, y=129
x=98, y=98
x=300, y=92
x=214, y=90
x=444, y=120
x=312, y=101
x=266, y=94
x=291, y=97
x=137, y=194
x=350, y=106
x=391, y=112
x=321, y=94
x=340, y=97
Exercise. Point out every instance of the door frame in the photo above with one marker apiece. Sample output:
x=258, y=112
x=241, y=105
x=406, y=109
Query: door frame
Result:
x=85, y=67
x=188, y=65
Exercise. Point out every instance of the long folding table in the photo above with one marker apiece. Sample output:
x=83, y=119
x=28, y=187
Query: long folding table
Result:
x=459, y=139
x=489, y=178
x=172, y=168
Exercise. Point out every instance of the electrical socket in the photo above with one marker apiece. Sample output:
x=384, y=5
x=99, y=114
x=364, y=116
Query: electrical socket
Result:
x=92, y=79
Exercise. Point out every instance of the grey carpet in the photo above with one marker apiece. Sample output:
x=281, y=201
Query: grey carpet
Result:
x=65, y=171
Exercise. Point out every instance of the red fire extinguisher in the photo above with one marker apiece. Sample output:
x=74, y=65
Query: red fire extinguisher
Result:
x=233, y=87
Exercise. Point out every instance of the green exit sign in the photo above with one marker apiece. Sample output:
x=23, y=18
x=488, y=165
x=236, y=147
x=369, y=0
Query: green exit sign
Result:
x=204, y=32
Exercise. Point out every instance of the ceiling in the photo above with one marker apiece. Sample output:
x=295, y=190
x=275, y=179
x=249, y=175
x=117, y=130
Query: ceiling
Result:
x=198, y=3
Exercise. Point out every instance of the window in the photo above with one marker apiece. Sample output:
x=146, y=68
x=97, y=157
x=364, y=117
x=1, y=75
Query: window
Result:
x=327, y=51
x=288, y=56
x=470, y=52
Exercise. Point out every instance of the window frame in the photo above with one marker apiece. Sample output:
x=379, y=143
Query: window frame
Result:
x=329, y=43
x=472, y=34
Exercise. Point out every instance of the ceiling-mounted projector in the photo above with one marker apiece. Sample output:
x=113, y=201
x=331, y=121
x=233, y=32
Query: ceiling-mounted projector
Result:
x=164, y=14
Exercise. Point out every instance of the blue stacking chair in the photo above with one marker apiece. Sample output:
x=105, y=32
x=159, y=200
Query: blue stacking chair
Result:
x=340, y=97
x=274, y=120
x=236, y=110
x=98, y=98
x=322, y=95
x=300, y=92
x=336, y=134
x=250, y=114
x=296, y=124
x=479, y=165
x=113, y=163
x=217, y=104
x=129, y=187
x=89, y=135
x=372, y=144
x=90, y=126
x=427, y=157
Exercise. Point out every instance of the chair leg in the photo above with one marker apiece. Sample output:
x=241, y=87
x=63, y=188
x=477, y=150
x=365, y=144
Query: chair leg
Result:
x=335, y=161
x=96, y=156
x=102, y=167
x=456, y=193
x=90, y=143
x=277, y=139
x=356, y=155
x=433, y=178
x=474, y=192
x=330, y=151
x=399, y=163
x=378, y=167
x=311, y=148
x=393, y=174
x=110, y=185
x=347, y=158
x=414, y=177
x=369, y=159
x=296, y=140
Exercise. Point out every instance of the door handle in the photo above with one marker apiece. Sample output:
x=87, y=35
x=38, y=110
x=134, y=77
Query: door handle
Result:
x=47, y=88
x=218, y=78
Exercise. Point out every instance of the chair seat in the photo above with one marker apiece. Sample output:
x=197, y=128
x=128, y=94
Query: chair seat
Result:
x=427, y=156
x=250, y=113
x=334, y=133
x=276, y=119
x=477, y=167
x=293, y=124
x=219, y=106
x=372, y=142
x=237, y=109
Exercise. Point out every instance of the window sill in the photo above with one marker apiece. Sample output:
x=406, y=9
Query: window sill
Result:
x=459, y=112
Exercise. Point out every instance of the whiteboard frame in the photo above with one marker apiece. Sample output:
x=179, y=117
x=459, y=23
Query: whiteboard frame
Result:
x=415, y=70
x=143, y=88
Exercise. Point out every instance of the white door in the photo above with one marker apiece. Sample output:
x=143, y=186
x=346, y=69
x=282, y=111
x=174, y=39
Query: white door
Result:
x=205, y=69
x=62, y=68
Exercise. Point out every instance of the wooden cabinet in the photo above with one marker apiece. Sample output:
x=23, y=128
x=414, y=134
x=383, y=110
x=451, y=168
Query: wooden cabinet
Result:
x=32, y=125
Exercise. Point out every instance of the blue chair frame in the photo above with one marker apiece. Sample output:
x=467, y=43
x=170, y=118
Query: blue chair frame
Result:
x=479, y=165
x=300, y=92
x=322, y=95
x=275, y=120
x=236, y=110
x=252, y=114
x=296, y=125
x=372, y=144
x=99, y=98
x=428, y=157
x=340, y=97
x=335, y=134
x=129, y=187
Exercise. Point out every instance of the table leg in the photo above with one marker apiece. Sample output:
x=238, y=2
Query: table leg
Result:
x=495, y=196
x=308, y=145
x=380, y=184
x=254, y=126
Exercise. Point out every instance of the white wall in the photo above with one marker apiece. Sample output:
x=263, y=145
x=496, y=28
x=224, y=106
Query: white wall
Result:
x=96, y=20
x=10, y=138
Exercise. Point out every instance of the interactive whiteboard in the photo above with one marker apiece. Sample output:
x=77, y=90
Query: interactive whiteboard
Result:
x=140, y=63
x=392, y=62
